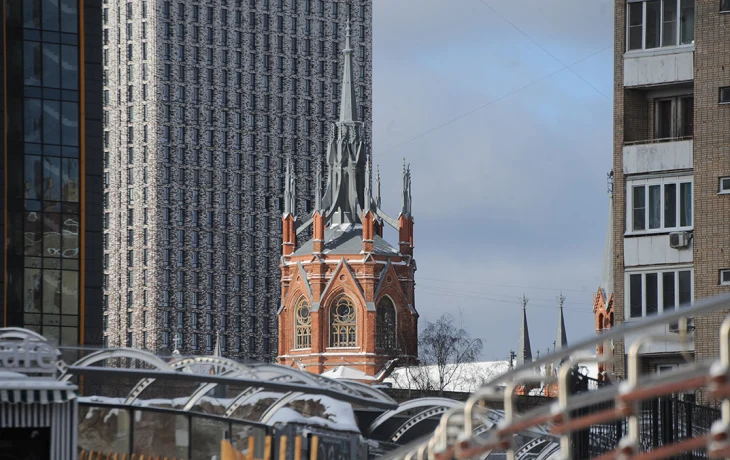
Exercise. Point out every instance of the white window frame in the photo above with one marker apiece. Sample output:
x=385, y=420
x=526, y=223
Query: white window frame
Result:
x=722, y=271
x=661, y=181
x=660, y=288
x=661, y=27
x=722, y=190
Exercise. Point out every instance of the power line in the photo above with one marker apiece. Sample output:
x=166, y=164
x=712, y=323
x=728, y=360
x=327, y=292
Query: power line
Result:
x=542, y=48
x=503, y=285
x=447, y=293
x=492, y=294
x=464, y=115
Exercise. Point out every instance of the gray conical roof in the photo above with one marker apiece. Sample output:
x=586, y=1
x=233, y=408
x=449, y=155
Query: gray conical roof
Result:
x=562, y=338
x=524, y=350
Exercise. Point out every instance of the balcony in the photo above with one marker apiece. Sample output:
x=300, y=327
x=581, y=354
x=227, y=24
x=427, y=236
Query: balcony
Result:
x=664, y=330
x=658, y=155
x=660, y=66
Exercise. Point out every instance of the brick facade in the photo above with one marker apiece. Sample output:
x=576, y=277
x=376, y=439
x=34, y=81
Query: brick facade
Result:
x=711, y=161
x=633, y=115
x=368, y=280
x=622, y=103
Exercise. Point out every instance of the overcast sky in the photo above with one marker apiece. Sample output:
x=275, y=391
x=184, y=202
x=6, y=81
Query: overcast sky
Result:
x=510, y=197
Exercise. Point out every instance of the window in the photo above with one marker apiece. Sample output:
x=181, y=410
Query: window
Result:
x=659, y=23
x=660, y=204
x=724, y=5
x=302, y=325
x=385, y=325
x=725, y=277
x=724, y=185
x=655, y=292
x=674, y=117
x=725, y=95
x=343, y=325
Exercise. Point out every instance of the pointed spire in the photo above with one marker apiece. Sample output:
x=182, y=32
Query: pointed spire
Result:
x=348, y=105
x=406, y=198
x=318, y=188
x=562, y=337
x=524, y=351
x=368, y=198
x=607, y=271
x=377, y=187
x=287, y=188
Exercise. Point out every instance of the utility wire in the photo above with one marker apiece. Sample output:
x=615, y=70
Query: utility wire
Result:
x=464, y=115
x=503, y=285
x=446, y=293
x=483, y=2
x=491, y=294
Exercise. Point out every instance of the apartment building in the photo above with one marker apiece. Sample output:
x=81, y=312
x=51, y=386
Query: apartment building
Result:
x=671, y=167
x=52, y=168
x=204, y=103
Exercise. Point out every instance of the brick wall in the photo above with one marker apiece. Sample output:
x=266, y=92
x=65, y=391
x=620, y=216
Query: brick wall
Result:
x=619, y=188
x=711, y=161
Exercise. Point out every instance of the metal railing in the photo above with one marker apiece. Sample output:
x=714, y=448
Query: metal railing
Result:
x=679, y=428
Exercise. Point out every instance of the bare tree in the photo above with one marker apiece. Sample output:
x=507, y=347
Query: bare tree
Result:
x=444, y=349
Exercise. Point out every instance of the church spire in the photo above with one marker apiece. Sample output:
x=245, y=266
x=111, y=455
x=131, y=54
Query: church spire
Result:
x=348, y=105
x=524, y=351
x=562, y=337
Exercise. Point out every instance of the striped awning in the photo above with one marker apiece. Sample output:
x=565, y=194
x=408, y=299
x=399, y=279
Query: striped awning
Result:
x=29, y=396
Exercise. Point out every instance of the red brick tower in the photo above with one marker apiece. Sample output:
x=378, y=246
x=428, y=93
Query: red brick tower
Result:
x=347, y=295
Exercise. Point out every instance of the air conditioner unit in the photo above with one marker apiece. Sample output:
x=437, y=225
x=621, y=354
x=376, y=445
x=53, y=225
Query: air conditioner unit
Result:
x=679, y=240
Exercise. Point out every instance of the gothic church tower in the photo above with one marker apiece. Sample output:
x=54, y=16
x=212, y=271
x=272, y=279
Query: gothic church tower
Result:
x=347, y=295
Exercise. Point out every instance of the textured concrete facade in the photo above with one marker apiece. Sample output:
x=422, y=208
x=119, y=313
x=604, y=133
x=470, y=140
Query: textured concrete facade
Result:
x=204, y=103
x=634, y=121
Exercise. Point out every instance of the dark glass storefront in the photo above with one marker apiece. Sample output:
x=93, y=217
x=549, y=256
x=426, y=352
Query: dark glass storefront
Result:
x=48, y=170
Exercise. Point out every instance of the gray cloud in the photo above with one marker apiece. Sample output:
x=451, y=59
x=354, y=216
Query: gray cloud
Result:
x=513, y=194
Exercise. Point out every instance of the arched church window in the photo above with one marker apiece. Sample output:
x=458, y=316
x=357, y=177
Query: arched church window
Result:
x=343, y=324
x=385, y=325
x=302, y=325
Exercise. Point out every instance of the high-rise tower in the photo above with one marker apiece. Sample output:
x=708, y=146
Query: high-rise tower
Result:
x=204, y=101
x=52, y=160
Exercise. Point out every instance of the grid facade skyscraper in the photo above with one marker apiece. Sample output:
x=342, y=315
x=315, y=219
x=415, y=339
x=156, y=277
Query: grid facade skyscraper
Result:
x=204, y=102
x=52, y=160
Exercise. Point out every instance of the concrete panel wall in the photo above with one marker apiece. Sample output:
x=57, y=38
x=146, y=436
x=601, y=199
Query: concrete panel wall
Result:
x=654, y=67
x=652, y=250
x=664, y=156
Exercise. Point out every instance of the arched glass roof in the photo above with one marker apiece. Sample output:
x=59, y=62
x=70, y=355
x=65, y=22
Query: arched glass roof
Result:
x=269, y=385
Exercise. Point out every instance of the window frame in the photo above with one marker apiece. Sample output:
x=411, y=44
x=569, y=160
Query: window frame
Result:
x=380, y=340
x=302, y=328
x=721, y=282
x=646, y=183
x=677, y=23
x=331, y=342
x=677, y=127
x=721, y=190
x=660, y=289
x=726, y=7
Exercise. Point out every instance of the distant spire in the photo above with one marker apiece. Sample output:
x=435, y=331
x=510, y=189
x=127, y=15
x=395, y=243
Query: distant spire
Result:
x=524, y=351
x=562, y=338
x=348, y=105
x=607, y=271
